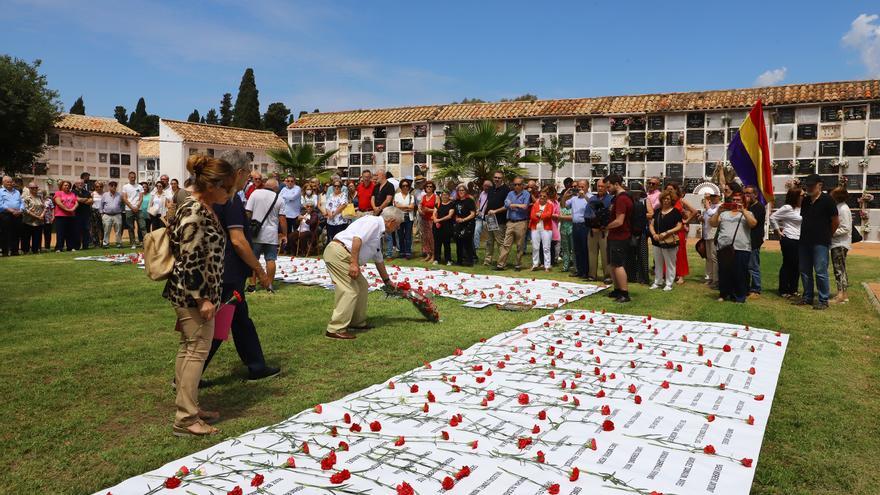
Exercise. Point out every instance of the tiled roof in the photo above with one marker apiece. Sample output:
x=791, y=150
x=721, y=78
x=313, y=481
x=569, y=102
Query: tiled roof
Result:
x=828, y=92
x=86, y=123
x=230, y=136
x=148, y=147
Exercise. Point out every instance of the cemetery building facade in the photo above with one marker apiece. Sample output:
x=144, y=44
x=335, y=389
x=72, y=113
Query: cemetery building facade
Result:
x=832, y=129
x=178, y=140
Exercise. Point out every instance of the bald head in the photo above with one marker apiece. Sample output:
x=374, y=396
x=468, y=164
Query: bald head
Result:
x=271, y=184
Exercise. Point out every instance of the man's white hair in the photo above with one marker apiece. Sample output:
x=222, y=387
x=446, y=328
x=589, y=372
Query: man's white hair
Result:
x=392, y=213
x=238, y=159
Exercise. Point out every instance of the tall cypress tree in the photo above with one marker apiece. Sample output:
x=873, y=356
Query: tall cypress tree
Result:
x=247, y=104
x=138, y=119
x=79, y=107
x=121, y=114
x=226, y=109
x=194, y=116
x=211, y=117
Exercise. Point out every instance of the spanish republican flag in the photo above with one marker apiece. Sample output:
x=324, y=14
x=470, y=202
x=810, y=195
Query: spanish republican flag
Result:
x=749, y=153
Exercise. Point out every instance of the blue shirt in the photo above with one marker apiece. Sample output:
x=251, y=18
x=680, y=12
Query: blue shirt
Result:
x=10, y=199
x=517, y=214
x=607, y=199
x=292, y=197
x=579, y=209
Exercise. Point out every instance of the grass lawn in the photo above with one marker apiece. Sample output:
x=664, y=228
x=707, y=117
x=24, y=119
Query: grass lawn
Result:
x=89, y=352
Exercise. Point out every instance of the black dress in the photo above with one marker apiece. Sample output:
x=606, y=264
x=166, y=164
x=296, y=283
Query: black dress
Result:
x=443, y=234
x=464, y=232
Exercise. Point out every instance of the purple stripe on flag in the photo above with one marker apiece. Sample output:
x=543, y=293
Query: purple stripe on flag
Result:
x=742, y=162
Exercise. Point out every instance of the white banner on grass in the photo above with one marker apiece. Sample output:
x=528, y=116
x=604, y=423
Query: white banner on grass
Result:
x=476, y=290
x=635, y=404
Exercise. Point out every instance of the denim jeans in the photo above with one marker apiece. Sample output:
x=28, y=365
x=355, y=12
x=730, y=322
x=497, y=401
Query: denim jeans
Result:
x=404, y=238
x=389, y=244
x=579, y=234
x=755, y=271
x=478, y=230
x=813, y=258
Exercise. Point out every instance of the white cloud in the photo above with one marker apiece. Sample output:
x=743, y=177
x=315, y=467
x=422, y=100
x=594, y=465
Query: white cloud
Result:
x=771, y=77
x=864, y=37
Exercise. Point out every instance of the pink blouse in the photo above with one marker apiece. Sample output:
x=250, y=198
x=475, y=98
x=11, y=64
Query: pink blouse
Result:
x=556, y=211
x=67, y=199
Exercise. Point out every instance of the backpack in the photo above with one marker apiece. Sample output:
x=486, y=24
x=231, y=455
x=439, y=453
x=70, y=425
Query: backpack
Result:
x=158, y=259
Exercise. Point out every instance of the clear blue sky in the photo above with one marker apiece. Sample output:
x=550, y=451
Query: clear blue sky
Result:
x=362, y=54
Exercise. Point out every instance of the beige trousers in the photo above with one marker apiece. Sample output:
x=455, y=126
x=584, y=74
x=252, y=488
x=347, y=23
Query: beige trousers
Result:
x=494, y=237
x=350, y=304
x=712, y=262
x=597, y=245
x=195, y=343
x=514, y=236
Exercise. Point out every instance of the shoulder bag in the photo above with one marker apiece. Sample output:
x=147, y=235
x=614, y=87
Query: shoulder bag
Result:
x=158, y=258
x=256, y=226
x=726, y=254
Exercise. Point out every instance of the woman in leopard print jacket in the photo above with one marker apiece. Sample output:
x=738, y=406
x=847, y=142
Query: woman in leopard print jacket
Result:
x=198, y=243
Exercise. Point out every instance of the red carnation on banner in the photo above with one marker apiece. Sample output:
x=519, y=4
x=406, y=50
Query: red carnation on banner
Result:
x=542, y=415
x=759, y=397
x=258, y=480
x=355, y=428
x=405, y=489
x=291, y=462
x=343, y=446
x=425, y=407
x=709, y=449
x=183, y=471
x=553, y=489
x=745, y=461
x=536, y=429
x=474, y=444
x=524, y=442
x=593, y=445
x=172, y=482
x=305, y=448
x=346, y=418
x=414, y=389
x=319, y=409
x=726, y=348
x=391, y=385
x=523, y=399
x=574, y=475
x=665, y=384
x=444, y=435
x=637, y=399
x=375, y=426
x=400, y=441
x=448, y=483
x=608, y=425
x=751, y=420
x=606, y=410
x=340, y=477
x=540, y=456
x=328, y=462
x=235, y=491
x=464, y=472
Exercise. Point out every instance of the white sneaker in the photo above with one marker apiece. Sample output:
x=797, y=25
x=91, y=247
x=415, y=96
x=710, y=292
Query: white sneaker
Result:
x=654, y=286
x=667, y=288
x=448, y=263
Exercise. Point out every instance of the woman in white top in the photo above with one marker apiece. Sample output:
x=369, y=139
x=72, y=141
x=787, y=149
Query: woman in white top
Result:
x=841, y=243
x=406, y=202
x=334, y=202
x=786, y=221
x=158, y=207
x=309, y=196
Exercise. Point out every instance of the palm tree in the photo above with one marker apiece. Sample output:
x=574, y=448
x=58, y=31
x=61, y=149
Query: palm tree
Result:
x=479, y=150
x=554, y=156
x=302, y=162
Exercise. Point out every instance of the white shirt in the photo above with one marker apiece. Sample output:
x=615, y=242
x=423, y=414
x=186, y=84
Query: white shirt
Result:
x=843, y=235
x=708, y=230
x=787, y=221
x=96, y=201
x=258, y=204
x=131, y=193
x=310, y=200
x=370, y=229
x=405, y=200
x=158, y=202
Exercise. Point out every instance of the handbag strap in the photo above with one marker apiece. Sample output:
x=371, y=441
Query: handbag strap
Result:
x=735, y=231
x=274, y=200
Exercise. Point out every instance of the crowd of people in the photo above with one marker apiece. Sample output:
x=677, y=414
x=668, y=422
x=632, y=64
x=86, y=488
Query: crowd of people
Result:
x=84, y=213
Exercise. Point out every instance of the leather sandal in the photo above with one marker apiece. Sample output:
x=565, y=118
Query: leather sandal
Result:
x=197, y=429
x=339, y=335
x=209, y=417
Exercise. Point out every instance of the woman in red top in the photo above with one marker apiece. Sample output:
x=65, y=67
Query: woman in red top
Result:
x=426, y=214
x=687, y=212
x=65, y=219
x=541, y=225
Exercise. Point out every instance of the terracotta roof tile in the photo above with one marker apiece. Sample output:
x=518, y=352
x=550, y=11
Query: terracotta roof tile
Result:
x=148, y=147
x=826, y=92
x=218, y=134
x=86, y=123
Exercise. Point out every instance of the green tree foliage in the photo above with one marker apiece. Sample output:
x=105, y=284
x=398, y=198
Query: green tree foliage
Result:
x=301, y=113
x=302, y=162
x=142, y=122
x=79, y=107
x=211, y=117
x=194, y=116
x=246, y=112
x=525, y=97
x=275, y=118
x=470, y=100
x=555, y=156
x=477, y=151
x=28, y=110
x=121, y=114
x=226, y=109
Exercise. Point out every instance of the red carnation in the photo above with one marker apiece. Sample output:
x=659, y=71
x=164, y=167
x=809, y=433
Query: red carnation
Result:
x=464, y=472
x=665, y=384
x=172, y=482
x=709, y=449
x=399, y=442
x=490, y=395
x=237, y=296
x=444, y=435
x=291, y=462
x=710, y=418
x=425, y=407
x=524, y=442
x=474, y=444
x=637, y=399
x=523, y=399
x=542, y=415
x=448, y=483
x=751, y=420
x=600, y=394
x=536, y=429
x=759, y=397
x=414, y=389
x=481, y=379
x=745, y=461
x=305, y=448
x=575, y=474
x=258, y=480
x=606, y=410
x=726, y=348
x=343, y=446
x=608, y=425
x=405, y=489
x=391, y=385
x=375, y=426
x=553, y=489
x=328, y=462
x=540, y=456
x=235, y=491
x=632, y=388
x=355, y=428
x=593, y=445
x=346, y=418
x=340, y=477
x=319, y=409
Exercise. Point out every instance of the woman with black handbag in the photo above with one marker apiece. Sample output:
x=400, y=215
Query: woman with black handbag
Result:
x=734, y=223
x=664, y=228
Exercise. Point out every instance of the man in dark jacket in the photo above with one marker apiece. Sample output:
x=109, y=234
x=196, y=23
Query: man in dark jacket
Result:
x=760, y=213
